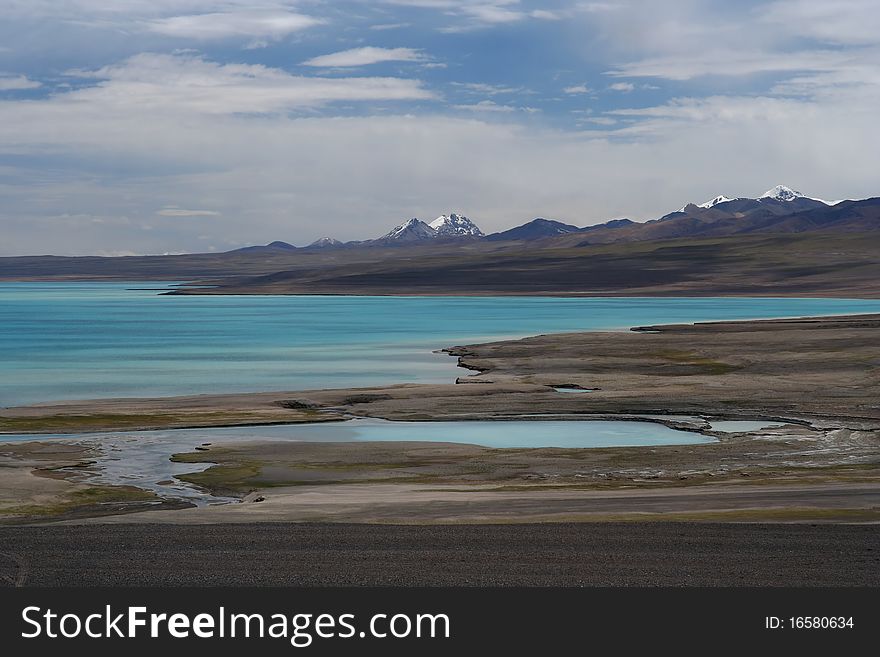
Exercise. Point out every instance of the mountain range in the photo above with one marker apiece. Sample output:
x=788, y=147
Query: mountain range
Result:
x=780, y=243
x=778, y=210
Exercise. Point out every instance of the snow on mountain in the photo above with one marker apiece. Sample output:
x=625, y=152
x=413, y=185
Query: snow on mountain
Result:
x=778, y=193
x=451, y=225
x=325, y=242
x=412, y=230
x=783, y=193
x=714, y=201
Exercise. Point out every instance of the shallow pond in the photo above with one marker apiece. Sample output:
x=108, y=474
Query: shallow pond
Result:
x=142, y=458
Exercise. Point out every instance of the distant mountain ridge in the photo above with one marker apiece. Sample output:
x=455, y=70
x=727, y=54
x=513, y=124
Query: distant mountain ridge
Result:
x=539, y=228
x=455, y=225
x=411, y=230
x=445, y=227
x=780, y=209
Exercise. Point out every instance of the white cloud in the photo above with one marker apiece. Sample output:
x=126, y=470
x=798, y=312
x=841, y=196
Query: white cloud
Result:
x=224, y=25
x=257, y=144
x=276, y=177
x=365, y=56
x=486, y=89
x=174, y=211
x=700, y=41
x=425, y=4
x=69, y=21
x=485, y=106
x=622, y=86
x=389, y=26
x=732, y=62
x=133, y=8
x=752, y=113
x=543, y=14
x=839, y=22
x=577, y=89
x=599, y=120
x=17, y=82
x=476, y=14
x=168, y=83
x=493, y=13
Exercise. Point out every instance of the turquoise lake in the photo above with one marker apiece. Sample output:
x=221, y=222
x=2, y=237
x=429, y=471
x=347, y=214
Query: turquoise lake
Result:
x=89, y=340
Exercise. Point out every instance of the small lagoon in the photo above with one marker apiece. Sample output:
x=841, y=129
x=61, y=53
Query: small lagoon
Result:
x=141, y=458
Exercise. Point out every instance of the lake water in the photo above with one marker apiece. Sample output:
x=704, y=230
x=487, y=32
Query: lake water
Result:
x=89, y=340
x=142, y=458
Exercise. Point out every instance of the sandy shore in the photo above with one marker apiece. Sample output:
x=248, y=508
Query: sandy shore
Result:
x=818, y=377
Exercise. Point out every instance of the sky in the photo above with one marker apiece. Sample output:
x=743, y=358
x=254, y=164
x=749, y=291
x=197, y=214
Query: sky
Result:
x=170, y=126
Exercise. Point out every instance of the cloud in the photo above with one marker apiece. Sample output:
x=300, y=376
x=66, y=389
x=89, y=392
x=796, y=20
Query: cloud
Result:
x=174, y=211
x=543, y=14
x=295, y=179
x=839, y=22
x=492, y=13
x=365, y=56
x=599, y=120
x=622, y=86
x=776, y=90
x=225, y=25
x=486, y=89
x=753, y=113
x=134, y=8
x=485, y=106
x=477, y=14
x=15, y=83
x=174, y=83
x=577, y=89
x=700, y=41
x=733, y=63
x=389, y=26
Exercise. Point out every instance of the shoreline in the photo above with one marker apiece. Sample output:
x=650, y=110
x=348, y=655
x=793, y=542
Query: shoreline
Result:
x=718, y=370
x=817, y=264
x=121, y=409
x=196, y=288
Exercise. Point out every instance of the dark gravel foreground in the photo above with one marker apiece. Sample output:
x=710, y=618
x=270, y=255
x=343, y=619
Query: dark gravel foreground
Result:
x=564, y=554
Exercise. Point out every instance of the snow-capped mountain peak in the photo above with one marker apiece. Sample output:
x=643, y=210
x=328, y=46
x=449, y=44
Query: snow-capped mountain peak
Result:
x=715, y=201
x=410, y=231
x=324, y=242
x=782, y=193
x=455, y=225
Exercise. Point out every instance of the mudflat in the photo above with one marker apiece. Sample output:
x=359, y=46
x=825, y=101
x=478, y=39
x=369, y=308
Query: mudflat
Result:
x=816, y=378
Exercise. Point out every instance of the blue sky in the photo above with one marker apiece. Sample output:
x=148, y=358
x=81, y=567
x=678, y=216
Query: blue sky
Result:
x=196, y=125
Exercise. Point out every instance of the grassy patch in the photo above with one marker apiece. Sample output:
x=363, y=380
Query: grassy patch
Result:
x=83, y=422
x=82, y=499
x=225, y=478
x=703, y=365
x=70, y=423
